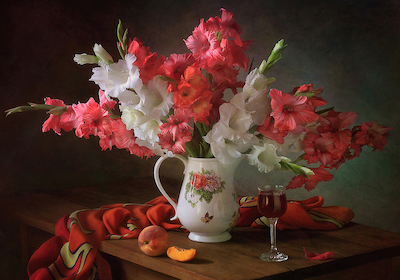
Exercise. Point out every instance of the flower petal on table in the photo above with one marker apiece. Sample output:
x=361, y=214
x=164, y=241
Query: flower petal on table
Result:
x=316, y=256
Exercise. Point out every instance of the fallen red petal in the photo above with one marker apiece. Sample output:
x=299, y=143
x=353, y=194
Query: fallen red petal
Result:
x=316, y=256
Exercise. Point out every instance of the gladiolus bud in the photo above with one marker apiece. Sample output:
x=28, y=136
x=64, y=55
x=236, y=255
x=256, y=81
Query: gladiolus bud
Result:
x=276, y=55
x=82, y=59
x=102, y=54
x=307, y=171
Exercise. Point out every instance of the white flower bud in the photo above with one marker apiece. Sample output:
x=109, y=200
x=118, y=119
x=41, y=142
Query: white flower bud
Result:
x=306, y=171
x=102, y=54
x=84, y=58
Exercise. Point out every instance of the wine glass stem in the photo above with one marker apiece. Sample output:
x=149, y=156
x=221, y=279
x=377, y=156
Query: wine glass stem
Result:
x=272, y=228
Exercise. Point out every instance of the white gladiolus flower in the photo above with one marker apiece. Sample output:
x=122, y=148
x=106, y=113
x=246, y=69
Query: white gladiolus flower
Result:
x=225, y=150
x=264, y=157
x=155, y=100
x=257, y=98
x=120, y=80
x=148, y=129
x=235, y=117
x=145, y=127
x=84, y=58
x=255, y=81
x=230, y=136
x=102, y=54
x=130, y=117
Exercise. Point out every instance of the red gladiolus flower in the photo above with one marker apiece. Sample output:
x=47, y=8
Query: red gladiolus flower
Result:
x=321, y=148
x=334, y=125
x=290, y=111
x=269, y=130
x=193, y=93
x=202, y=108
x=227, y=27
x=310, y=183
x=148, y=63
x=175, y=65
x=372, y=134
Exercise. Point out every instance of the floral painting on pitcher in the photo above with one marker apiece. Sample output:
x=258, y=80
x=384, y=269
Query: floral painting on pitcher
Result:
x=202, y=186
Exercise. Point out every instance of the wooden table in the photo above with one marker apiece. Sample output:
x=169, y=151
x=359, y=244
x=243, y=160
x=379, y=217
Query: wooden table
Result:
x=360, y=252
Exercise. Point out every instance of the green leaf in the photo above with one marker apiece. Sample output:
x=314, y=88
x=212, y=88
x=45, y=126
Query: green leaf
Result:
x=167, y=79
x=119, y=31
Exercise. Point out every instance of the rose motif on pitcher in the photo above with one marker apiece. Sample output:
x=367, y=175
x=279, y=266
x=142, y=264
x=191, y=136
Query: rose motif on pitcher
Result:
x=202, y=186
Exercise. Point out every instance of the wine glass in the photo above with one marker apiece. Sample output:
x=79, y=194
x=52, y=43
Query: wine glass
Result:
x=272, y=204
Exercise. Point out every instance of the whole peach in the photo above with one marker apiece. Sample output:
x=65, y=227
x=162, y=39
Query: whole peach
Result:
x=153, y=240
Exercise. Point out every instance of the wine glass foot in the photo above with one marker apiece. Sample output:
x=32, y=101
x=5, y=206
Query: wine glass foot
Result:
x=274, y=257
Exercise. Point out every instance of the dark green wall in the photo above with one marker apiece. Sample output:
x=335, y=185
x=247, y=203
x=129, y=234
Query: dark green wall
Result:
x=351, y=48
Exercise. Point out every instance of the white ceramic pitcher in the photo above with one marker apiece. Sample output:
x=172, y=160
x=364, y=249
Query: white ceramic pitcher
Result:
x=207, y=205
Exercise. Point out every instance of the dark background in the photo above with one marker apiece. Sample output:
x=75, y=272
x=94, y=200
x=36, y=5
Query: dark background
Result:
x=351, y=48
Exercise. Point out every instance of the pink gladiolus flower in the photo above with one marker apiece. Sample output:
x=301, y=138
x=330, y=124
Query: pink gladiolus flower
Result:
x=105, y=103
x=124, y=139
x=141, y=151
x=204, y=45
x=93, y=120
x=107, y=142
x=372, y=134
x=310, y=183
x=177, y=145
x=66, y=121
x=178, y=123
x=290, y=111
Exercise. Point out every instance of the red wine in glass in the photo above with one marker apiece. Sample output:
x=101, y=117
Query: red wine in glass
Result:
x=272, y=204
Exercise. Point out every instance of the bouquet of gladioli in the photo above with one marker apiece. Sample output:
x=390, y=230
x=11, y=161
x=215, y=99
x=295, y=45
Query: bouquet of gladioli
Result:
x=152, y=105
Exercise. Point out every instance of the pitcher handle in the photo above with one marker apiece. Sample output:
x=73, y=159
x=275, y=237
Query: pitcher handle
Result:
x=158, y=181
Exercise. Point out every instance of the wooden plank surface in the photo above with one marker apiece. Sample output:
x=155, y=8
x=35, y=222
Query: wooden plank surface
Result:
x=353, y=246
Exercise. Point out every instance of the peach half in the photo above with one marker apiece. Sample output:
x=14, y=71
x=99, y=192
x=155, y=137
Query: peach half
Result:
x=181, y=254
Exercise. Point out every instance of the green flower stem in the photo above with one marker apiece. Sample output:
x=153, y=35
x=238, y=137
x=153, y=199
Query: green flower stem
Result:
x=299, y=158
x=324, y=110
x=189, y=149
x=55, y=110
x=198, y=147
